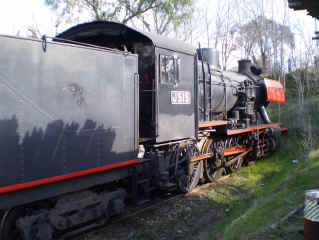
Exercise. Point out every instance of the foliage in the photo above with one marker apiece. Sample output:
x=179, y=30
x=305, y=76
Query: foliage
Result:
x=164, y=15
x=170, y=16
x=118, y=10
x=306, y=78
x=264, y=36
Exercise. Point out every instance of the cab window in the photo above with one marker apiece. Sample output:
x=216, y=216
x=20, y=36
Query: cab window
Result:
x=169, y=70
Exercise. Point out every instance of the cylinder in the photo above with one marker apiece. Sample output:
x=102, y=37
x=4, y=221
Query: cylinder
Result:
x=311, y=215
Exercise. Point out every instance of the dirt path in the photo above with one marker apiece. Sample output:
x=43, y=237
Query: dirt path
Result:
x=181, y=217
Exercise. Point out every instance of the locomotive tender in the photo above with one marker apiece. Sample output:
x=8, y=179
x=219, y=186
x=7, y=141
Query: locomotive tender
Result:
x=105, y=114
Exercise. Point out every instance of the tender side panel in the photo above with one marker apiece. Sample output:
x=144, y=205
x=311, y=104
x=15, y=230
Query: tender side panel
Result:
x=64, y=110
x=54, y=179
x=45, y=191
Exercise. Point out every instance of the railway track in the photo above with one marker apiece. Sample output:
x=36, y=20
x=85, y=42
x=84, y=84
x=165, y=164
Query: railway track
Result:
x=157, y=202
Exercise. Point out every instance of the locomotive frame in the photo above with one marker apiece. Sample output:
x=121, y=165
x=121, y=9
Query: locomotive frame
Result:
x=131, y=113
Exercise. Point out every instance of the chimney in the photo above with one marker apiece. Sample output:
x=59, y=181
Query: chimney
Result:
x=244, y=66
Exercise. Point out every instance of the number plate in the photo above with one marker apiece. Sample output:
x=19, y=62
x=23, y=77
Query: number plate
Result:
x=181, y=97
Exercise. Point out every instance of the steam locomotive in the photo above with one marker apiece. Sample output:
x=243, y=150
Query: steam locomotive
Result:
x=104, y=114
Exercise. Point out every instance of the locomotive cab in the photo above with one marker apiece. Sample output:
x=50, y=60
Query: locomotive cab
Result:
x=166, y=73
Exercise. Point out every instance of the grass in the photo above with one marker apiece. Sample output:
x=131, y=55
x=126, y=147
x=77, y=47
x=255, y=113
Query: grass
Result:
x=246, y=205
x=266, y=192
x=262, y=194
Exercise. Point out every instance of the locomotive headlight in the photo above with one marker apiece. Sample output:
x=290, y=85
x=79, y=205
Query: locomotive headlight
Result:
x=141, y=151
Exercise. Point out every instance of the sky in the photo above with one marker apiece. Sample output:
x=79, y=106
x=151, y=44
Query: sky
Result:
x=17, y=16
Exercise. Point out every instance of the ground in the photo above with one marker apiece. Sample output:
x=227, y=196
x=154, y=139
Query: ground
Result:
x=247, y=205
x=262, y=201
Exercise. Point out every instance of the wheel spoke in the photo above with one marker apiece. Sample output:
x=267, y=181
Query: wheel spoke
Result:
x=189, y=181
x=214, y=166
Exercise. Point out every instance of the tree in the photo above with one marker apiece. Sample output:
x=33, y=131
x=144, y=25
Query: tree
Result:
x=118, y=10
x=168, y=17
x=304, y=70
x=160, y=16
x=263, y=37
x=225, y=27
x=227, y=30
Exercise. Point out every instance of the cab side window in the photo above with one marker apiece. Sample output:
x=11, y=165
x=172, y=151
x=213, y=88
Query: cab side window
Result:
x=169, y=70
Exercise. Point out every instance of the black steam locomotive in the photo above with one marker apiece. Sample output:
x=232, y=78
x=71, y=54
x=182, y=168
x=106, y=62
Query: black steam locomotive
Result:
x=105, y=114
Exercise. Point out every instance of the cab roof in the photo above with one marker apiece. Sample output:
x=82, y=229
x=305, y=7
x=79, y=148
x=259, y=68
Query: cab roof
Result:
x=115, y=29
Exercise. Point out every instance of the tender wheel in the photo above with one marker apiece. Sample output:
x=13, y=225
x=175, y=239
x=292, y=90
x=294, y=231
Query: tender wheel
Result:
x=8, y=228
x=187, y=182
x=214, y=166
